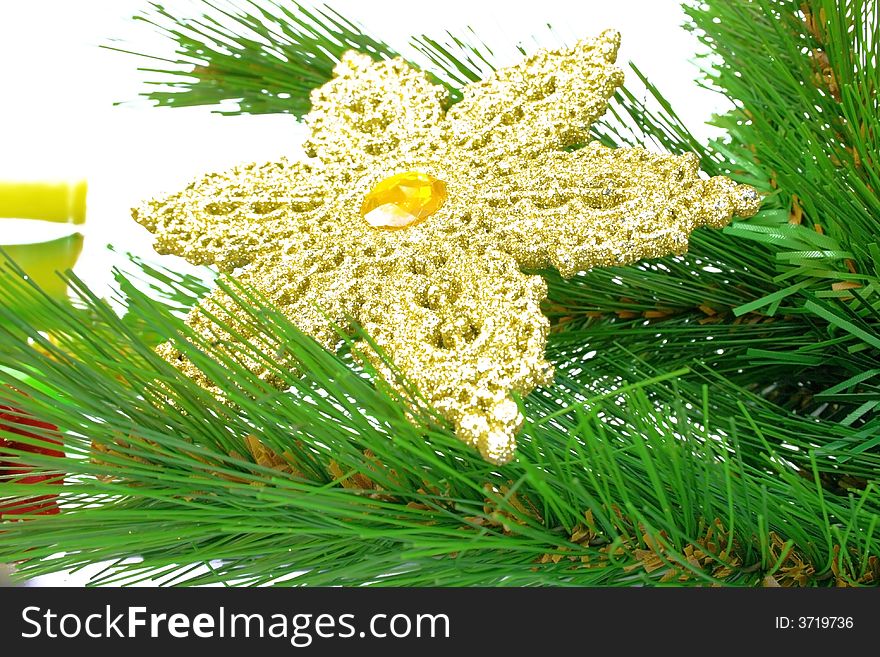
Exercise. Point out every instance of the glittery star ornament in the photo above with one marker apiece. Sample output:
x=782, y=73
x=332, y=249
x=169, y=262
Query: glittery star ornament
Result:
x=418, y=222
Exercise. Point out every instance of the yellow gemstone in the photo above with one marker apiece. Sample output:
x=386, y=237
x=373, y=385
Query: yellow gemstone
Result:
x=403, y=199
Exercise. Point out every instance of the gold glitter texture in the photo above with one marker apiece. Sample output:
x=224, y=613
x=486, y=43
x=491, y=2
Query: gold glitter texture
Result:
x=446, y=296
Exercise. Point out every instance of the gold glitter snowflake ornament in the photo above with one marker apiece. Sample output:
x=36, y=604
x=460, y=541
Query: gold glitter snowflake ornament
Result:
x=418, y=222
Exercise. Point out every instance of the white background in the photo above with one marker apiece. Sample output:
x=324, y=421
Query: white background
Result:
x=57, y=94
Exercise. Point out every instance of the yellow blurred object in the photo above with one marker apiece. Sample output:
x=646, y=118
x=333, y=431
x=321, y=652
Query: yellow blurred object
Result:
x=42, y=260
x=60, y=201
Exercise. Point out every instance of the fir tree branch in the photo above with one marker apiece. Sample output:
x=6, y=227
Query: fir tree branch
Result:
x=266, y=56
x=330, y=480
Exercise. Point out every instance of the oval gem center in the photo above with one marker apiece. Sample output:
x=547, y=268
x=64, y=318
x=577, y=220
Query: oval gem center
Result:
x=403, y=199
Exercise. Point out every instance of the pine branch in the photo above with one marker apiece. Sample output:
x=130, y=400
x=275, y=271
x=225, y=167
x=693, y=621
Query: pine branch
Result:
x=266, y=56
x=775, y=303
x=330, y=479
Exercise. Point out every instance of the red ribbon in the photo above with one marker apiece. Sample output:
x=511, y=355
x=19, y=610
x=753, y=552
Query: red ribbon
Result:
x=14, y=420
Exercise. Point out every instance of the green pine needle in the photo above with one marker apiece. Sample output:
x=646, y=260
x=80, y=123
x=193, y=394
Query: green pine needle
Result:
x=266, y=56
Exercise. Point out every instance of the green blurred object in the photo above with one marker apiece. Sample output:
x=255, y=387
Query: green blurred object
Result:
x=50, y=200
x=42, y=261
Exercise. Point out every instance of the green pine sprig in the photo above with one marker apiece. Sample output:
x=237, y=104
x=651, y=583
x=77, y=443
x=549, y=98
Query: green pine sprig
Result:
x=356, y=493
x=265, y=55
